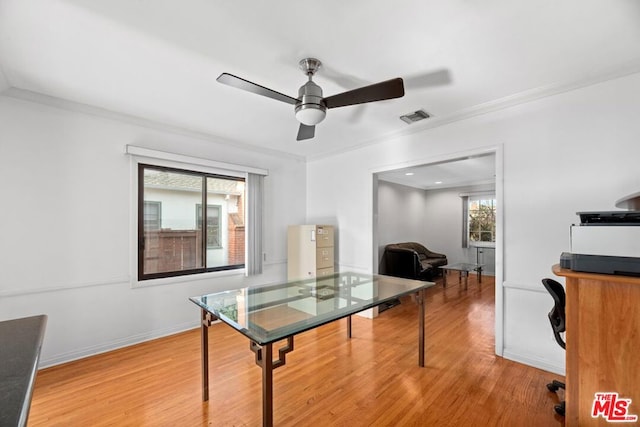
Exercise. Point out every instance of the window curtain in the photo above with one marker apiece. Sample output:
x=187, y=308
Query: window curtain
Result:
x=255, y=194
x=465, y=221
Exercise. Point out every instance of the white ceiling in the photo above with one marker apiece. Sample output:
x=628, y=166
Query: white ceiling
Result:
x=158, y=59
x=475, y=170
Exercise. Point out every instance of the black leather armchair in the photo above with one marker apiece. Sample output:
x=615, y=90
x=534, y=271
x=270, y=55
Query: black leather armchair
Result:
x=412, y=260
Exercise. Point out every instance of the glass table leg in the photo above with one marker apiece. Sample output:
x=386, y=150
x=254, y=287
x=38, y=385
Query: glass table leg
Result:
x=264, y=359
x=267, y=386
x=206, y=320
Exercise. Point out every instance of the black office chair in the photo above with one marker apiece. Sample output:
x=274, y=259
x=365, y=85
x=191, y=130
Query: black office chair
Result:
x=557, y=319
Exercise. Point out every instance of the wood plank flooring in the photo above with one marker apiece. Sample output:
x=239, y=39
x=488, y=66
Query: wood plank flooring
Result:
x=371, y=380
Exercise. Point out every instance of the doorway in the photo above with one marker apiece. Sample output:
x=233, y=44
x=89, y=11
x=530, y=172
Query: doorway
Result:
x=428, y=201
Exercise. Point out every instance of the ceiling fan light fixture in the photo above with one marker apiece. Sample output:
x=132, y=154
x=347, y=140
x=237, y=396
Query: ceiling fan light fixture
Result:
x=310, y=110
x=310, y=114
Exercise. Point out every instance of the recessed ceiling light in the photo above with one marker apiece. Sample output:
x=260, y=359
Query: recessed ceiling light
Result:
x=409, y=173
x=438, y=182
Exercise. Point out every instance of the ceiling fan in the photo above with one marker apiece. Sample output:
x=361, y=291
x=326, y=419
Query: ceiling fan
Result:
x=310, y=105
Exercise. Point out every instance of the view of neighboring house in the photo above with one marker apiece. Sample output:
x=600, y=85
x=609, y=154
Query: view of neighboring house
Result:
x=173, y=221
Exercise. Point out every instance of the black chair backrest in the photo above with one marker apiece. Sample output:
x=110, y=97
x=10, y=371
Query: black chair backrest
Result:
x=556, y=315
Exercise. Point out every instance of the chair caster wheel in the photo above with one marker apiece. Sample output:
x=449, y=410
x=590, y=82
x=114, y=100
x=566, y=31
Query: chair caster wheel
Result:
x=560, y=409
x=552, y=387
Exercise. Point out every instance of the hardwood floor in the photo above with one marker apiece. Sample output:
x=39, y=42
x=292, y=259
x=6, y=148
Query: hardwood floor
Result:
x=371, y=380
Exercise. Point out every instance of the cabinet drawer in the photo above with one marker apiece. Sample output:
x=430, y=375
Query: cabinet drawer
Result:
x=324, y=236
x=324, y=258
x=324, y=272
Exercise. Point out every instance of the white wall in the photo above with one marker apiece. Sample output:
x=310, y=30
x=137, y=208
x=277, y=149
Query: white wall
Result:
x=574, y=151
x=4, y=85
x=401, y=211
x=66, y=226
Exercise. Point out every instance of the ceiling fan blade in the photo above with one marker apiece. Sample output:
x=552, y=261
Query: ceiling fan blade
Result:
x=305, y=132
x=240, y=83
x=389, y=89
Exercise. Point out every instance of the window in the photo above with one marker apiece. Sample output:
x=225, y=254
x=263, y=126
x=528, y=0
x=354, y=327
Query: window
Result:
x=213, y=224
x=152, y=214
x=482, y=219
x=174, y=237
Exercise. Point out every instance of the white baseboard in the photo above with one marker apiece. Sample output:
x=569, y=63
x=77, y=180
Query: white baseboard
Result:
x=116, y=344
x=533, y=362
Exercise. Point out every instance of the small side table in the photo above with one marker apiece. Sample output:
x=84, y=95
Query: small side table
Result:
x=464, y=268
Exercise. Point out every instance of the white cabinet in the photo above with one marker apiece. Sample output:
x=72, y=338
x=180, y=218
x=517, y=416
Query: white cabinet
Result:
x=310, y=251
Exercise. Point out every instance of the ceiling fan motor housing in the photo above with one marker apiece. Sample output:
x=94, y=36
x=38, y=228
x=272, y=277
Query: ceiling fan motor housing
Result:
x=310, y=109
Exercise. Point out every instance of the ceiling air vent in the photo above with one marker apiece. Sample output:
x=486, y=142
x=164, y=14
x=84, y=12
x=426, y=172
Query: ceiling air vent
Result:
x=416, y=116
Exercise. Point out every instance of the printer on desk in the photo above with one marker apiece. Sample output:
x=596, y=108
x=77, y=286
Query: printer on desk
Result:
x=607, y=242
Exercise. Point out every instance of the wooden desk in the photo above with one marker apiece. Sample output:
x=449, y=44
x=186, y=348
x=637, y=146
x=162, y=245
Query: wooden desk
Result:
x=603, y=343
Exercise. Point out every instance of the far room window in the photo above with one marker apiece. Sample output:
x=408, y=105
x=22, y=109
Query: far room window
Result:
x=174, y=237
x=481, y=219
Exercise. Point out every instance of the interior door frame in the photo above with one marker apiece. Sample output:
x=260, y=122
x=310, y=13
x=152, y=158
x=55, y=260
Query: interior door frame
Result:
x=498, y=151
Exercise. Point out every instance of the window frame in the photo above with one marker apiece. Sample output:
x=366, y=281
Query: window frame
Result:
x=468, y=229
x=141, y=276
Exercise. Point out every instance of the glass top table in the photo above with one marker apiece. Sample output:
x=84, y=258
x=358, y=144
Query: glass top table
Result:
x=464, y=268
x=270, y=313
